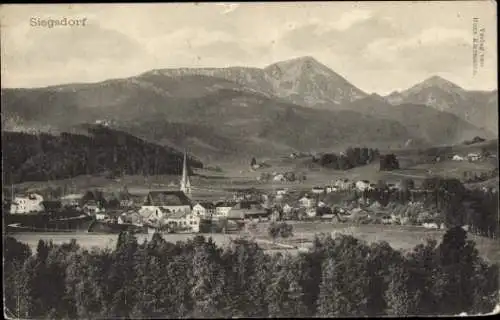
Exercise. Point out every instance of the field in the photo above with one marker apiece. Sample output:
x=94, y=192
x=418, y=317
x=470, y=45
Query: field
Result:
x=399, y=237
x=212, y=185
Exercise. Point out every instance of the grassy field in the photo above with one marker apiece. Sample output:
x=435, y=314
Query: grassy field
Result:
x=399, y=237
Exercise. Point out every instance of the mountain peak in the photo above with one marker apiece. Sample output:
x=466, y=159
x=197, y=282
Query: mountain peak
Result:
x=307, y=62
x=440, y=82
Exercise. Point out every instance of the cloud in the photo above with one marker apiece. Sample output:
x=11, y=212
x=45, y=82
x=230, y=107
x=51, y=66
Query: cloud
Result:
x=352, y=17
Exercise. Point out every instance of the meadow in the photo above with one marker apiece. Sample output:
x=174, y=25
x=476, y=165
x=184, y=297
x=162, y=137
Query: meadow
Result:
x=399, y=237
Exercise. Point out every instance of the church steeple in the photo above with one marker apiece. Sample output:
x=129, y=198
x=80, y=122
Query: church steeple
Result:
x=185, y=184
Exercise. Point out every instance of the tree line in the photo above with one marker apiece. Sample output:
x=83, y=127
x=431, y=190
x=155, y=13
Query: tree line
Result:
x=41, y=157
x=339, y=276
x=452, y=202
x=352, y=157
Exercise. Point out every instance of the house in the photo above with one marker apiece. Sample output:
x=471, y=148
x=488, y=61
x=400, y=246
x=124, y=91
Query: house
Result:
x=281, y=192
x=311, y=212
x=329, y=189
x=473, y=157
x=307, y=202
x=27, y=204
x=362, y=185
x=279, y=178
x=431, y=225
x=204, y=209
x=457, y=158
x=92, y=207
x=72, y=200
x=51, y=206
x=318, y=190
x=130, y=217
x=287, y=209
x=248, y=210
x=101, y=216
x=187, y=221
x=223, y=207
x=161, y=202
x=342, y=184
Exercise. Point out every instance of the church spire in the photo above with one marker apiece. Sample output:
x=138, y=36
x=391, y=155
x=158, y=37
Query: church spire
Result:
x=185, y=184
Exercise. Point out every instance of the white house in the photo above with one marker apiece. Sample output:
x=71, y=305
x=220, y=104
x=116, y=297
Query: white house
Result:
x=311, y=212
x=307, y=202
x=362, y=185
x=342, y=184
x=281, y=192
x=30, y=203
x=92, y=207
x=71, y=200
x=222, y=208
x=318, y=190
x=279, y=178
x=457, y=158
x=189, y=221
x=204, y=209
x=473, y=156
x=287, y=209
x=101, y=216
x=162, y=202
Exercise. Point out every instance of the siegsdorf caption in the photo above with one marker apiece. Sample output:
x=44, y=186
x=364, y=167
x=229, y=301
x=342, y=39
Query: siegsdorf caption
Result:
x=61, y=22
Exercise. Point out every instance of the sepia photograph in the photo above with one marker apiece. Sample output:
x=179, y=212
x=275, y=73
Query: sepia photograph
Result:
x=250, y=160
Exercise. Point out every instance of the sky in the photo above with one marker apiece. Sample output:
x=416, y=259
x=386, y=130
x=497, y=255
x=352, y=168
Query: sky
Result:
x=377, y=46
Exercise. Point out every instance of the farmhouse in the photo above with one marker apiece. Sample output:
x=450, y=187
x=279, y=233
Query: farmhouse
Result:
x=307, y=202
x=204, y=209
x=249, y=210
x=92, y=207
x=173, y=201
x=318, y=190
x=473, y=157
x=362, y=185
x=51, y=206
x=72, y=200
x=343, y=184
x=184, y=221
x=26, y=204
x=222, y=208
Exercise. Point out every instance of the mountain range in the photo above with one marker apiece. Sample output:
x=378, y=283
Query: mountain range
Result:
x=294, y=105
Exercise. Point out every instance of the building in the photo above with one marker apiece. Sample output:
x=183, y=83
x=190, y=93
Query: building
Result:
x=162, y=202
x=248, y=210
x=204, y=209
x=27, y=204
x=222, y=208
x=92, y=207
x=318, y=190
x=182, y=221
x=52, y=206
x=72, y=200
x=185, y=183
x=307, y=202
x=362, y=185
x=473, y=157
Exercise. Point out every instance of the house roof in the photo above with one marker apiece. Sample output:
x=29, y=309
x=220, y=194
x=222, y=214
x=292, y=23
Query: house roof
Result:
x=227, y=204
x=73, y=196
x=207, y=205
x=167, y=198
x=51, y=205
x=177, y=215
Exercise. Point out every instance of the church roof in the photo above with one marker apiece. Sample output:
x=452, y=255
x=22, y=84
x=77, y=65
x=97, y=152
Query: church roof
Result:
x=167, y=198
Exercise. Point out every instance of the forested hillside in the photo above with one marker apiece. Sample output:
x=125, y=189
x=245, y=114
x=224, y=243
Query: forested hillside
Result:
x=39, y=157
x=339, y=277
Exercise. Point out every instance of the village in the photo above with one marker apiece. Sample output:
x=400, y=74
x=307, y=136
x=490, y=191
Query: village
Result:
x=175, y=210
